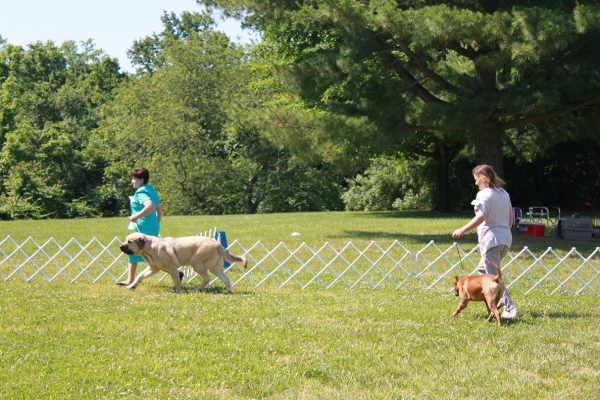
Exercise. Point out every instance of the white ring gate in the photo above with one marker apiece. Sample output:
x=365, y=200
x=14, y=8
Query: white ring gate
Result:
x=372, y=266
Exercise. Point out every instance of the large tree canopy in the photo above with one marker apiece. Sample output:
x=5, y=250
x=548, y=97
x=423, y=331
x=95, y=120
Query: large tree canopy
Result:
x=185, y=118
x=476, y=70
x=50, y=99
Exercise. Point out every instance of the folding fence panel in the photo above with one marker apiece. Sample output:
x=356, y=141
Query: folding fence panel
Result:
x=326, y=266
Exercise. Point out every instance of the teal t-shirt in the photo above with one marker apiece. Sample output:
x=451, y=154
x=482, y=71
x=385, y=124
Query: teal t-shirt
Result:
x=148, y=224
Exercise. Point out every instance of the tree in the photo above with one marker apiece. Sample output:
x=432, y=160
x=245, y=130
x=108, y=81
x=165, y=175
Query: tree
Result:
x=49, y=107
x=184, y=120
x=148, y=53
x=464, y=72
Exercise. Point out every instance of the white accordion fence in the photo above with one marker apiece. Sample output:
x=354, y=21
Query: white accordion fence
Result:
x=374, y=266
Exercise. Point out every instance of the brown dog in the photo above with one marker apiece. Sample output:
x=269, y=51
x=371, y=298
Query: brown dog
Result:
x=484, y=287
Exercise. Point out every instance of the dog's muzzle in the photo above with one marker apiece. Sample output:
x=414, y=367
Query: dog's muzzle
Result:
x=125, y=249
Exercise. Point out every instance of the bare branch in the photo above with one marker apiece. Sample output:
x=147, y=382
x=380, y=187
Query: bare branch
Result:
x=434, y=128
x=550, y=114
x=422, y=67
x=471, y=55
x=413, y=85
x=504, y=114
x=423, y=153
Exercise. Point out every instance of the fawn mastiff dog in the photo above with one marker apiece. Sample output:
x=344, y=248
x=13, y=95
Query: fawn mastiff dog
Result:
x=486, y=287
x=168, y=254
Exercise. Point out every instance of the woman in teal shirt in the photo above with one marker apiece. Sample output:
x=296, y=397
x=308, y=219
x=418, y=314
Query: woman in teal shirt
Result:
x=146, y=214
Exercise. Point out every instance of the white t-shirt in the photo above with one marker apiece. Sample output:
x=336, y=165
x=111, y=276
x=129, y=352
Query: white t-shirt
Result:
x=495, y=229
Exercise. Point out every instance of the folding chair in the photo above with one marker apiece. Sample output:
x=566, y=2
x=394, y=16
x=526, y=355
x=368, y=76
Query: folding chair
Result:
x=548, y=215
x=518, y=215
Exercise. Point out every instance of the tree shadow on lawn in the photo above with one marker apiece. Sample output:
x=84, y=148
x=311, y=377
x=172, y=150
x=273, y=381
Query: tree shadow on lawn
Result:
x=559, y=315
x=521, y=240
x=530, y=318
x=419, y=238
x=413, y=214
x=534, y=243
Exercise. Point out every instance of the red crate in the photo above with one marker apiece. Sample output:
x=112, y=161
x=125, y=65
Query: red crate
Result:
x=532, y=228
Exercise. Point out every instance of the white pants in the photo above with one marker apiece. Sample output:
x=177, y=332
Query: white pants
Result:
x=495, y=254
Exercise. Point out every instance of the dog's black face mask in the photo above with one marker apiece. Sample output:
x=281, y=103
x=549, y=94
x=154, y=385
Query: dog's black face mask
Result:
x=125, y=249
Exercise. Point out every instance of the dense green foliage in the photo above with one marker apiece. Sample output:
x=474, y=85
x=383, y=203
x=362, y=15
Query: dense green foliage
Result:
x=438, y=76
x=294, y=122
x=68, y=147
x=390, y=184
x=51, y=99
x=185, y=119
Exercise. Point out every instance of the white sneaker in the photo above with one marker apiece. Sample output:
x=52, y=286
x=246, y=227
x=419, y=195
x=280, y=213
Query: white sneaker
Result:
x=510, y=315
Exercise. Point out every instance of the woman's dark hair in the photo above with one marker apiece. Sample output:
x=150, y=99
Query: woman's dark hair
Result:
x=141, y=174
x=489, y=174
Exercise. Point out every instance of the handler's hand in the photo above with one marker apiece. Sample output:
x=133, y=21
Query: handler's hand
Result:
x=132, y=218
x=458, y=233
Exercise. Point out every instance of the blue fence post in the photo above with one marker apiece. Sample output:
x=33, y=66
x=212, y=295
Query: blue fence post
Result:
x=222, y=238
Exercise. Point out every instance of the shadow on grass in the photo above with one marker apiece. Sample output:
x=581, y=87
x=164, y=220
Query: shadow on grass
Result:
x=215, y=290
x=535, y=244
x=412, y=214
x=422, y=238
x=559, y=315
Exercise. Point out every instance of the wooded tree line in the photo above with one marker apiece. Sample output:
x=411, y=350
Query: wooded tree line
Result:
x=342, y=104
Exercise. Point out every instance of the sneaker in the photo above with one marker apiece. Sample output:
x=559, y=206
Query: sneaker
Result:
x=181, y=276
x=510, y=315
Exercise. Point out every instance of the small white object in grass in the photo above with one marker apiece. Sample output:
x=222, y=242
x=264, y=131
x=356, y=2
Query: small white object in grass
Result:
x=295, y=234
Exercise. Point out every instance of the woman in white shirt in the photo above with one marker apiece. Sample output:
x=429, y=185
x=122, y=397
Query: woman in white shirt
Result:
x=493, y=219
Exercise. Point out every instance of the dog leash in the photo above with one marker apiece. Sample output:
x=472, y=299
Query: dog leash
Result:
x=458, y=252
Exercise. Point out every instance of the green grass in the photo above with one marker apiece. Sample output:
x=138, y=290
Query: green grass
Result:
x=101, y=341
x=82, y=340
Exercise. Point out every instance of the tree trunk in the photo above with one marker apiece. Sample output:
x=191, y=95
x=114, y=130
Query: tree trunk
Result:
x=488, y=146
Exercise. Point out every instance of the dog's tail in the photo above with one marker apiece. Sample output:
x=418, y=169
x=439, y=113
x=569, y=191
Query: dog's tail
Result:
x=499, y=275
x=231, y=258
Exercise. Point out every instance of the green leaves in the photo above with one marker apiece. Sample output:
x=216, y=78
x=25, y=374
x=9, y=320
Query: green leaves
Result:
x=196, y=122
x=411, y=67
x=148, y=53
x=587, y=17
x=49, y=106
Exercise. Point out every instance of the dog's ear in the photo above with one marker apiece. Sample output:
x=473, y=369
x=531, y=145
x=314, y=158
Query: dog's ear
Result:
x=140, y=242
x=456, y=278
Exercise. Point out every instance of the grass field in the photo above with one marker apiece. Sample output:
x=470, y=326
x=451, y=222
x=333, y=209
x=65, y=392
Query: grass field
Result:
x=413, y=229
x=83, y=340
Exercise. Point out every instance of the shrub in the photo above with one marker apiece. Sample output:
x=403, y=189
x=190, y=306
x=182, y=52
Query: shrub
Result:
x=390, y=184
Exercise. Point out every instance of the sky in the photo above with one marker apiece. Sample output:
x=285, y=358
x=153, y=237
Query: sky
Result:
x=113, y=25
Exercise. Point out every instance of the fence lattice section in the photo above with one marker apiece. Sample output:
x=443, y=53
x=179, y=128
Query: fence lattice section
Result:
x=372, y=266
